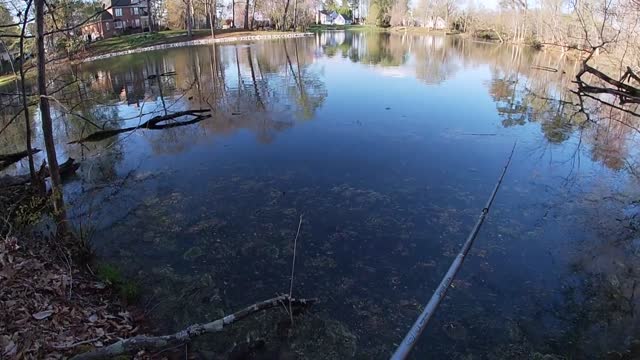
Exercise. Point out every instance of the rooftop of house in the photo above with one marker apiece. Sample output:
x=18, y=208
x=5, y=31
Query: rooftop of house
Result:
x=123, y=3
x=106, y=16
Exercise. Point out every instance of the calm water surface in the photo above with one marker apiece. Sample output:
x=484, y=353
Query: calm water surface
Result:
x=388, y=145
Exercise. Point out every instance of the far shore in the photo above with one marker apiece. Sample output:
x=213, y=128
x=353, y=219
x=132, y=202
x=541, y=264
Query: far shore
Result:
x=137, y=43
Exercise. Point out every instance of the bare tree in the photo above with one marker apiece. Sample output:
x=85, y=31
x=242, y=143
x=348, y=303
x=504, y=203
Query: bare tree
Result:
x=283, y=26
x=246, y=15
x=47, y=124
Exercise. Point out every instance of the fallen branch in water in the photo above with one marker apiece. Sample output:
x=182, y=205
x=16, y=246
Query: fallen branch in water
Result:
x=154, y=123
x=8, y=159
x=140, y=342
x=67, y=169
x=153, y=76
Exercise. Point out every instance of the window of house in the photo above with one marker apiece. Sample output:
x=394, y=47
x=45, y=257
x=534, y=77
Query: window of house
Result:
x=117, y=24
x=118, y=12
x=137, y=22
x=135, y=11
x=107, y=25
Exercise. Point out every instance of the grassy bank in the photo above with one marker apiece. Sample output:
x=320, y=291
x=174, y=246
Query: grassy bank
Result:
x=133, y=41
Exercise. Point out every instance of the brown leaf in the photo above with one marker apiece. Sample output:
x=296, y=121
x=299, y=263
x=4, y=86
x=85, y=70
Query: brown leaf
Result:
x=10, y=349
x=42, y=314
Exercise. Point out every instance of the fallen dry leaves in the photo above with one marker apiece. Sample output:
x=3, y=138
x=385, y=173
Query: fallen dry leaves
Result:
x=49, y=308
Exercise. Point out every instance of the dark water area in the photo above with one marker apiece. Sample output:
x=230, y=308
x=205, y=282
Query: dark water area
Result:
x=388, y=145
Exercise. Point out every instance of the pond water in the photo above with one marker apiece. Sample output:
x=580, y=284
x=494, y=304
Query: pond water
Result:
x=388, y=146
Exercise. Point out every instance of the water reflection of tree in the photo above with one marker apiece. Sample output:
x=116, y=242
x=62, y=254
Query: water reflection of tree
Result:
x=375, y=48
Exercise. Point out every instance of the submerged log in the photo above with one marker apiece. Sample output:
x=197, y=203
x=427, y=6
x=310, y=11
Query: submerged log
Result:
x=67, y=169
x=140, y=342
x=9, y=159
x=153, y=76
x=544, y=68
x=154, y=123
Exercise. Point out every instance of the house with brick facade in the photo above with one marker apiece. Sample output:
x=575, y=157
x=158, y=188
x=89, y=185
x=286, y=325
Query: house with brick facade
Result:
x=121, y=16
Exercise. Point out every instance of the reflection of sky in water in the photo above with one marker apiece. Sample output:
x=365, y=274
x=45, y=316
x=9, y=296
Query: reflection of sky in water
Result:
x=390, y=166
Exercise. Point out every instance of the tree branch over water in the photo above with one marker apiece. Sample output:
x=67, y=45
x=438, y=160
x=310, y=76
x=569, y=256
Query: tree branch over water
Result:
x=152, y=124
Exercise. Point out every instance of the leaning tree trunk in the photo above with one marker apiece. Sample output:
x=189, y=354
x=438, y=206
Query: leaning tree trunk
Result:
x=246, y=15
x=47, y=126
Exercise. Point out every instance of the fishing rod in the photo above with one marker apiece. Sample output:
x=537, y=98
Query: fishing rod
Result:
x=409, y=341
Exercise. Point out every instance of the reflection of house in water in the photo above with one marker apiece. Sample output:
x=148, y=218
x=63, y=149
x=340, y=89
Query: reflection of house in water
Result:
x=131, y=86
x=433, y=42
x=331, y=38
x=102, y=82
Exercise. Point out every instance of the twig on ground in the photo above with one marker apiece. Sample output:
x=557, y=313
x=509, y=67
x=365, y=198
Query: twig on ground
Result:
x=64, y=347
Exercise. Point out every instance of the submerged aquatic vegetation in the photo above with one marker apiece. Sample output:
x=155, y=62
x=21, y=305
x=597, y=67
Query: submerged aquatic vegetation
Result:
x=128, y=289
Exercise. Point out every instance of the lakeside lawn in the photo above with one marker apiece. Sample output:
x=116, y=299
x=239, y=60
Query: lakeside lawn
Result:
x=133, y=41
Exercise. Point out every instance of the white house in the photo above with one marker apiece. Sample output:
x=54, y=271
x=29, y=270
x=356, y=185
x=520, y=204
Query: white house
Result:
x=436, y=23
x=326, y=17
x=342, y=20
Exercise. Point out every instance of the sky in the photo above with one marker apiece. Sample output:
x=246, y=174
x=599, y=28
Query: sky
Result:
x=488, y=4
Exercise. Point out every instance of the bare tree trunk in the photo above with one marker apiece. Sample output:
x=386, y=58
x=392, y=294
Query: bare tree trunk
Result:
x=283, y=26
x=214, y=16
x=189, y=18
x=32, y=169
x=253, y=14
x=295, y=15
x=149, y=15
x=233, y=13
x=246, y=15
x=212, y=21
x=47, y=126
